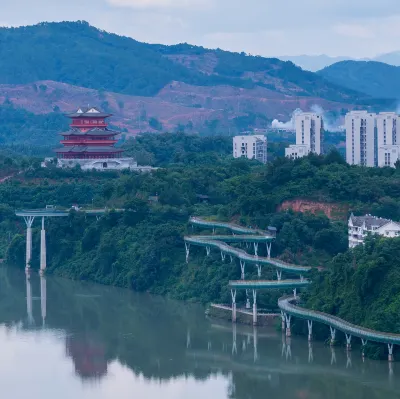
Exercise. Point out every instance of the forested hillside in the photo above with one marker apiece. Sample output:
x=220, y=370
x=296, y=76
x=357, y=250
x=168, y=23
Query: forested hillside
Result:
x=377, y=79
x=79, y=54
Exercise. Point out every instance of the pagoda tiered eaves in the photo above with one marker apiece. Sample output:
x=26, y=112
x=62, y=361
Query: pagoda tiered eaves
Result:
x=88, y=137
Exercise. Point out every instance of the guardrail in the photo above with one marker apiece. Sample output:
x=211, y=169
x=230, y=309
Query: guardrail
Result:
x=286, y=305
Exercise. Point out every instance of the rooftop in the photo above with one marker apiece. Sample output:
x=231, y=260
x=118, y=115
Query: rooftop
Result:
x=93, y=149
x=91, y=132
x=88, y=112
x=369, y=221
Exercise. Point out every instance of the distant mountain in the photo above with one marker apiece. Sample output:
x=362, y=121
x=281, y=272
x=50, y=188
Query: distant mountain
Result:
x=313, y=63
x=389, y=58
x=377, y=79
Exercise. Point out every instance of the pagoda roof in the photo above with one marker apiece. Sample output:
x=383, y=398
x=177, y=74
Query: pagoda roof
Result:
x=91, y=132
x=87, y=148
x=88, y=112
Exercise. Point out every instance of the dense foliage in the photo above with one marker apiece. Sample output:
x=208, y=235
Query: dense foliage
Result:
x=24, y=132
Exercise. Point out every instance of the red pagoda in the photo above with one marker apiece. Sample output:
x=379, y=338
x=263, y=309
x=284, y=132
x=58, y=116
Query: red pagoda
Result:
x=88, y=137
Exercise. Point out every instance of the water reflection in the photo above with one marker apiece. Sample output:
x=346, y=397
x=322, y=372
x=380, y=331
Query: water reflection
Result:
x=107, y=334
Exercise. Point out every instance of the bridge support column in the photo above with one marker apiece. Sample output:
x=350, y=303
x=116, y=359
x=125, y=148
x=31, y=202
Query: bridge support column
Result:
x=390, y=357
x=364, y=344
x=29, y=221
x=295, y=293
x=258, y=270
x=279, y=275
x=333, y=335
x=233, y=293
x=208, y=251
x=269, y=245
x=242, y=268
x=223, y=256
x=187, y=249
x=256, y=248
x=254, y=307
x=288, y=319
x=43, y=264
x=348, y=342
x=310, y=353
x=309, y=324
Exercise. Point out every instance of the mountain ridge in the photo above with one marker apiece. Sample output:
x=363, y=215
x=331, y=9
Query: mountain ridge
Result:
x=377, y=79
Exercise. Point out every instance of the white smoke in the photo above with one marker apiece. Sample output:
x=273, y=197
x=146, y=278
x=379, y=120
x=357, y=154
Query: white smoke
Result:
x=290, y=125
x=330, y=124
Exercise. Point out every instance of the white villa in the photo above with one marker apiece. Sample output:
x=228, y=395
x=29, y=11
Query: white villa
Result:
x=361, y=226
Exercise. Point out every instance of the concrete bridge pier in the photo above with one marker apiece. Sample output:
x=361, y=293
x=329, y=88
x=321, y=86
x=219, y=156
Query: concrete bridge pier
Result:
x=223, y=256
x=187, y=249
x=390, y=356
x=254, y=307
x=269, y=245
x=233, y=293
x=310, y=325
x=242, y=268
x=256, y=248
x=348, y=342
x=43, y=264
x=333, y=335
x=208, y=251
x=279, y=275
x=29, y=221
x=258, y=270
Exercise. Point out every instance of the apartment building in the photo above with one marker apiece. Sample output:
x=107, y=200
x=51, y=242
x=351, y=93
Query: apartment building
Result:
x=251, y=147
x=361, y=141
x=309, y=135
x=388, y=143
x=360, y=226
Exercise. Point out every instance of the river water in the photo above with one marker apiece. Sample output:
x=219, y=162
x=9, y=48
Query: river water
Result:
x=63, y=339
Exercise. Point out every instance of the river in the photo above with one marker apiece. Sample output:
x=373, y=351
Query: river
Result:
x=63, y=339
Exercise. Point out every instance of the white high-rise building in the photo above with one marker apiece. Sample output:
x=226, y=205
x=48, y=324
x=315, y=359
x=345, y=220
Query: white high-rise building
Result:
x=361, y=138
x=388, y=144
x=309, y=135
x=251, y=147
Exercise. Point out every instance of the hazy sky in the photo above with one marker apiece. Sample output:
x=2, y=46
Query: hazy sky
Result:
x=359, y=28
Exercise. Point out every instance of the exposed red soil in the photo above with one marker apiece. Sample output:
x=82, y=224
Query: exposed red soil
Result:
x=332, y=211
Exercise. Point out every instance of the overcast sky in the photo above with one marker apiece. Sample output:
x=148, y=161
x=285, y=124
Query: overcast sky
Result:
x=357, y=28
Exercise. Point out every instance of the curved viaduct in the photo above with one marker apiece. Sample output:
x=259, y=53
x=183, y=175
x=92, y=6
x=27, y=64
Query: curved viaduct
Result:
x=288, y=305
